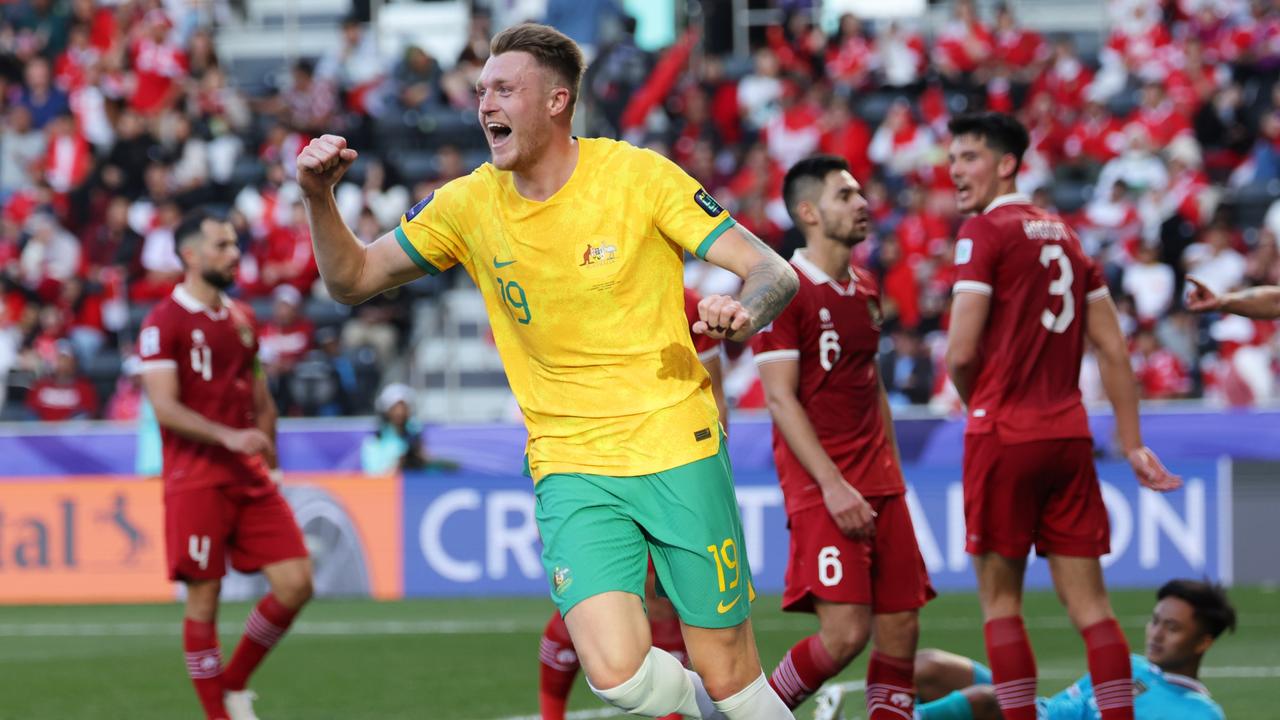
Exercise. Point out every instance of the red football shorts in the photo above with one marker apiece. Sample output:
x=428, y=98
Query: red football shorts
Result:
x=1044, y=492
x=885, y=571
x=251, y=525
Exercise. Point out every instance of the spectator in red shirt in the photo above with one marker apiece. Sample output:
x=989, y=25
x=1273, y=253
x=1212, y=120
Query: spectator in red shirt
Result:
x=1158, y=116
x=964, y=43
x=851, y=56
x=285, y=254
x=847, y=136
x=1160, y=373
x=1066, y=78
x=1023, y=51
x=64, y=395
x=898, y=284
x=286, y=338
x=159, y=66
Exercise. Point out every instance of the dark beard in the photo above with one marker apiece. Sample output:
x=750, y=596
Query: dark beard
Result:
x=217, y=279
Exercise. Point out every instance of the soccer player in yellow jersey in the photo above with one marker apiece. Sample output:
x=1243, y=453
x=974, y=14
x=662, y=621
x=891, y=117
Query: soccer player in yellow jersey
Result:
x=577, y=245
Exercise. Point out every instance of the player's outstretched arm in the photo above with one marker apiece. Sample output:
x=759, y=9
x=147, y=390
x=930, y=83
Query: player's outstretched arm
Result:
x=1103, y=327
x=1261, y=302
x=352, y=272
x=969, y=312
x=161, y=386
x=768, y=284
x=850, y=511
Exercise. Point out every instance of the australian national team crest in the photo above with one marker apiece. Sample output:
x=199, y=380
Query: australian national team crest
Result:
x=599, y=254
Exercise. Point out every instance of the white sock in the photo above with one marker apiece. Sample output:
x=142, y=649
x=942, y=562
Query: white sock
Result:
x=660, y=687
x=756, y=701
x=706, y=705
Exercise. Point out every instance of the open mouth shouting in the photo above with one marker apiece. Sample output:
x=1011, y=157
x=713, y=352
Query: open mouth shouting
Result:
x=499, y=134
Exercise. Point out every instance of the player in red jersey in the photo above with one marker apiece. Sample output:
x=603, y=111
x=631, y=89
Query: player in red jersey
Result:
x=854, y=559
x=1025, y=299
x=217, y=421
x=558, y=660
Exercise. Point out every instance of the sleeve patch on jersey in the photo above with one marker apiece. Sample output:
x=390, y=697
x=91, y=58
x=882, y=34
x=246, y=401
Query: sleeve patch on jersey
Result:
x=149, y=342
x=423, y=264
x=711, y=238
x=964, y=251
x=707, y=203
x=413, y=211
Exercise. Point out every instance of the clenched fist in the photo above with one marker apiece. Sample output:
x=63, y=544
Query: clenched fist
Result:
x=720, y=317
x=323, y=162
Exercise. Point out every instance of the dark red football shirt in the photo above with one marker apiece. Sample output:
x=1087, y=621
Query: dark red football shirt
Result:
x=214, y=354
x=833, y=330
x=1040, y=282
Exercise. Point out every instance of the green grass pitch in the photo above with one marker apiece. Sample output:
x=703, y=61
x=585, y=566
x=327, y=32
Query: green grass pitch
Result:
x=476, y=659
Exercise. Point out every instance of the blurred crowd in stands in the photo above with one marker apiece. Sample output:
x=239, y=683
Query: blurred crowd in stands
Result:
x=1159, y=141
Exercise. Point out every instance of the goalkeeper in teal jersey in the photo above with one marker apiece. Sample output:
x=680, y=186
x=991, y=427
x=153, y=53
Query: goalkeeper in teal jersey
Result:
x=1188, y=617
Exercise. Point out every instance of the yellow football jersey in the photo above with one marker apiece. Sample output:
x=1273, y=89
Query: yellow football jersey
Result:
x=585, y=297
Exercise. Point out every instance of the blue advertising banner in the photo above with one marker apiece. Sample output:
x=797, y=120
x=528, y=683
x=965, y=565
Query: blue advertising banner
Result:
x=474, y=534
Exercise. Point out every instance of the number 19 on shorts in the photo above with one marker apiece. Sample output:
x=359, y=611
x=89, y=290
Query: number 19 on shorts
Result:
x=726, y=557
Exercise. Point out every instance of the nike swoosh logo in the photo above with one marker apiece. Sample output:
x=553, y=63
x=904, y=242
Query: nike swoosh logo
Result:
x=722, y=608
x=500, y=265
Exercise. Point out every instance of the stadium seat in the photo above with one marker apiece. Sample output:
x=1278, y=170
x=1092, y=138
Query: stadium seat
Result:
x=1069, y=197
x=323, y=312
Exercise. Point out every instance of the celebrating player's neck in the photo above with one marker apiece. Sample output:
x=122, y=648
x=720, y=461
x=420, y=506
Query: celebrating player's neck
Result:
x=550, y=169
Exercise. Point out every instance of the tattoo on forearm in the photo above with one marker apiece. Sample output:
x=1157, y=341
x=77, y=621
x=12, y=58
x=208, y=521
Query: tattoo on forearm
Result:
x=769, y=287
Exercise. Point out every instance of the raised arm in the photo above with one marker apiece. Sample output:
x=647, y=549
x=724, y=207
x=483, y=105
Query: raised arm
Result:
x=1261, y=302
x=352, y=272
x=1112, y=352
x=768, y=285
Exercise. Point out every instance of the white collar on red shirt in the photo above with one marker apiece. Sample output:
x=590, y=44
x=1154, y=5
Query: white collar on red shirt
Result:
x=1010, y=199
x=189, y=303
x=817, y=276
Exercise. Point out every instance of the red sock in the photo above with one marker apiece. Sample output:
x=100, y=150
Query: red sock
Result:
x=558, y=668
x=891, y=691
x=803, y=670
x=667, y=636
x=1109, y=668
x=1013, y=667
x=264, y=628
x=204, y=665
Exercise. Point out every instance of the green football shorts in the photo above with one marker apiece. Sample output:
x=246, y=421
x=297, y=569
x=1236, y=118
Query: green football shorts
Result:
x=598, y=531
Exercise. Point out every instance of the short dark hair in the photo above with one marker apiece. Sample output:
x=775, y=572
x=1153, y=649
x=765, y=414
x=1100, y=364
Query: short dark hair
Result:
x=1212, y=610
x=191, y=227
x=551, y=48
x=1002, y=132
x=801, y=177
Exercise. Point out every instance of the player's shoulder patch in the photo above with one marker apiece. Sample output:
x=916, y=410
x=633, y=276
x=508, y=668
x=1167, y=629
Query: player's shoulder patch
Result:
x=149, y=341
x=423, y=203
x=707, y=203
x=964, y=250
